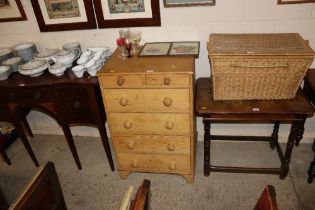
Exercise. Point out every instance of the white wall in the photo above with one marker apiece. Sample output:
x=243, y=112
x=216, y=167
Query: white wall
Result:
x=179, y=24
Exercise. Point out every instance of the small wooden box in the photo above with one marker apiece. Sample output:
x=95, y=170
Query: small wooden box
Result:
x=257, y=66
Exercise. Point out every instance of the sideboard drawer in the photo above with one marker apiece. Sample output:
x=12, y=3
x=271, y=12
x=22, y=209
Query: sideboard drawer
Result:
x=154, y=163
x=145, y=123
x=28, y=95
x=167, y=79
x=75, y=105
x=152, y=144
x=147, y=100
x=121, y=81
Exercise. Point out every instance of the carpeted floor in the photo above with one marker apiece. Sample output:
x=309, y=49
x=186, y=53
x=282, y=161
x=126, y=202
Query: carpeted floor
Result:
x=96, y=187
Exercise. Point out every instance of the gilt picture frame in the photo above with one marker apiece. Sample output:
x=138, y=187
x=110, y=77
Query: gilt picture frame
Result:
x=155, y=49
x=188, y=3
x=11, y=10
x=187, y=48
x=127, y=13
x=63, y=15
x=295, y=1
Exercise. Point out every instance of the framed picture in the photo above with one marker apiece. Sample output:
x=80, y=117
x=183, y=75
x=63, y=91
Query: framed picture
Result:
x=155, y=49
x=185, y=48
x=188, y=3
x=63, y=15
x=127, y=13
x=11, y=10
x=294, y=1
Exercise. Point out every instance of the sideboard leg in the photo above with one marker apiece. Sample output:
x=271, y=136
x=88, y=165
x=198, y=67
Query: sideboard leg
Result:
x=299, y=132
x=106, y=146
x=5, y=156
x=20, y=131
x=69, y=138
x=27, y=127
x=274, y=135
x=207, y=145
x=189, y=178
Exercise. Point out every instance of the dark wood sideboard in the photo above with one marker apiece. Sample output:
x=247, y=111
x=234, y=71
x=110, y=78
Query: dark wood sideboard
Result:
x=68, y=99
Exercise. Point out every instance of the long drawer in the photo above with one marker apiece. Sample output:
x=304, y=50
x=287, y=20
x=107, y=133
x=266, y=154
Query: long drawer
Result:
x=147, y=100
x=152, y=144
x=154, y=163
x=149, y=123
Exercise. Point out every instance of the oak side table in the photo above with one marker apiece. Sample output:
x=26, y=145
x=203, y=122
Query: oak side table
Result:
x=309, y=89
x=294, y=111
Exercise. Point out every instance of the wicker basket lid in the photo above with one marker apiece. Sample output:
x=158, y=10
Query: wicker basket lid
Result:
x=258, y=44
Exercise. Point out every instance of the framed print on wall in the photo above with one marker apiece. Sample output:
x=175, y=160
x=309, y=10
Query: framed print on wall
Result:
x=294, y=1
x=127, y=13
x=188, y=3
x=11, y=10
x=63, y=15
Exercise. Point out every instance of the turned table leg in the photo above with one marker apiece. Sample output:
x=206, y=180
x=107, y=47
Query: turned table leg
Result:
x=311, y=171
x=105, y=143
x=274, y=135
x=207, y=144
x=296, y=134
x=69, y=138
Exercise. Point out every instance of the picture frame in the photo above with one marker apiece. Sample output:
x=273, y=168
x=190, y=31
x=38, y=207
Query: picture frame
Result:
x=155, y=49
x=124, y=13
x=64, y=15
x=188, y=3
x=187, y=48
x=295, y=1
x=11, y=10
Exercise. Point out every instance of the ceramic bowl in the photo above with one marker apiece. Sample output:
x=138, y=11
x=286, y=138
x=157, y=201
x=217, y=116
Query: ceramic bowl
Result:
x=13, y=63
x=33, y=68
x=46, y=54
x=5, y=54
x=5, y=72
x=58, y=69
x=66, y=57
x=25, y=50
x=73, y=46
x=78, y=71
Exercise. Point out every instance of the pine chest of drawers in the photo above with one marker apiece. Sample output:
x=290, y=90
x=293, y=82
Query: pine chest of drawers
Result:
x=150, y=112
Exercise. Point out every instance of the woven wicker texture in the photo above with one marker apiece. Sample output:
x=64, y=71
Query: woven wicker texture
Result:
x=272, y=70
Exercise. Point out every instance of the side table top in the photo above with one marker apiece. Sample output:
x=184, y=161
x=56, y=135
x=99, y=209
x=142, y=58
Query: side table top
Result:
x=206, y=105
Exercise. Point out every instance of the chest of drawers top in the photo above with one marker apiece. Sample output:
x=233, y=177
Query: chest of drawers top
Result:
x=148, y=65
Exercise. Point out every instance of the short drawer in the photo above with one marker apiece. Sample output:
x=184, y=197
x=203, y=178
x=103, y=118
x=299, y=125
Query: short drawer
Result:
x=152, y=144
x=167, y=80
x=149, y=123
x=154, y=163
x=28, y=95
x=147, y=100
x=121, y=81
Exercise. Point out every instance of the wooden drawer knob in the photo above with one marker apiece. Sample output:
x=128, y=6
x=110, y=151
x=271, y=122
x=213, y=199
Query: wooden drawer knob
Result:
x=134, y=164
x=171, y=146
x=169, y=125
x=131, y=145
x=127, y=124
x=167, y=101
x=120, y=81
x=172, y=165
x=37, y=95
x=12, y=95
x=123, y=101
x=167, y=81
x=76, y=104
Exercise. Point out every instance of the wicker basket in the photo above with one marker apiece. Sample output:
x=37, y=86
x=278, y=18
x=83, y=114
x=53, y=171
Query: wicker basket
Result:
x=257, y=66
